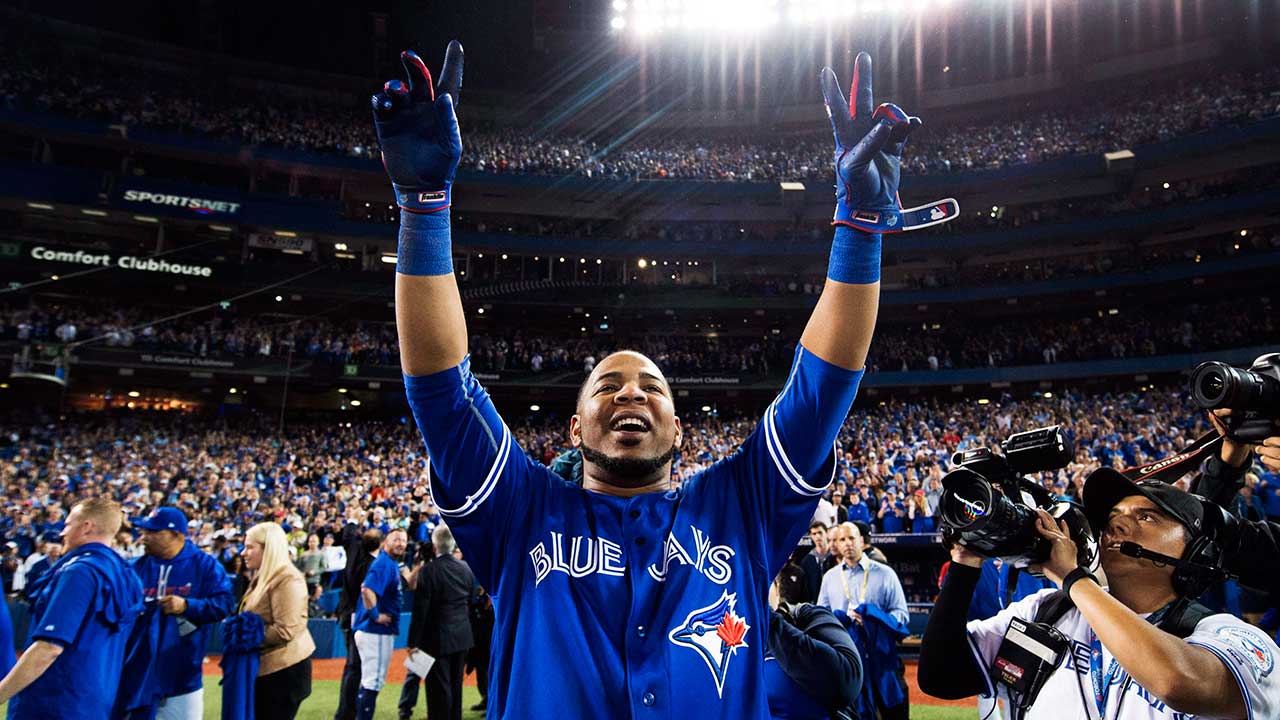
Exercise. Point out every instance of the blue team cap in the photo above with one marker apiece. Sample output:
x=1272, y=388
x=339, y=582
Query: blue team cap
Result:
x=164, y=518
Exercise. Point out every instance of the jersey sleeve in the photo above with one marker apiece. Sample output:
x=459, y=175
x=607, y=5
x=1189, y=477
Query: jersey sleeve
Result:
x=480, y=478
x=789, y=460
x=986, y=635
x=68, y=607
x=378, y=579
x=1249, y=655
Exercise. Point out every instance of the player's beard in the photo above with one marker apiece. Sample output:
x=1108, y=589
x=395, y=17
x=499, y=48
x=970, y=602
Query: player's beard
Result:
x=625, y=471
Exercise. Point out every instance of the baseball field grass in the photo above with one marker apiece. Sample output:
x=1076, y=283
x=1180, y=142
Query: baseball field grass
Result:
x=324, y=699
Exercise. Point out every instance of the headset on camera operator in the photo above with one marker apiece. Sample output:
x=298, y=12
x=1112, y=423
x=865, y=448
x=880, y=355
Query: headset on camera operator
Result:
x=1138, y=648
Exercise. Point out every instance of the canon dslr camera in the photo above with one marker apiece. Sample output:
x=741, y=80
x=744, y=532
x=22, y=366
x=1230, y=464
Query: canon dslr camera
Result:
x=1253, y=396
x=989, y=506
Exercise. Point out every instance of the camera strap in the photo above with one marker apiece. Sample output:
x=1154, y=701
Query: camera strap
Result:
x=1175, y=466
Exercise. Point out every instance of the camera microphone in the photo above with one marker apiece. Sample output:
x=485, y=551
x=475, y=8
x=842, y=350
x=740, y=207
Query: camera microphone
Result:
x=1134, y=550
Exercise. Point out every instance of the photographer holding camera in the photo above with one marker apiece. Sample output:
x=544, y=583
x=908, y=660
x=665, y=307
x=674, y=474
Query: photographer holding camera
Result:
x=1137, y=648
x=1244, y=408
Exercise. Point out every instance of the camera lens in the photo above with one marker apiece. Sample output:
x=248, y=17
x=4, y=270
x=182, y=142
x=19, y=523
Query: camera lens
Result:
x=1213, y=384
x=967, y=501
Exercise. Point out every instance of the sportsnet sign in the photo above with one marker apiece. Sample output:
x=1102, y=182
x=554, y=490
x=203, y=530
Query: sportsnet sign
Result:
x=199, y=206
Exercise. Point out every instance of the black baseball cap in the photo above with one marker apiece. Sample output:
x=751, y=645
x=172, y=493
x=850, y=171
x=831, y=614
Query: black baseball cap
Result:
x=1105, y=487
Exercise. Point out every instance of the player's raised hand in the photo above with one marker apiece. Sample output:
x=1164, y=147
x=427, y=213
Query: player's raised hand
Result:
x=418, y=131
x=869, y=143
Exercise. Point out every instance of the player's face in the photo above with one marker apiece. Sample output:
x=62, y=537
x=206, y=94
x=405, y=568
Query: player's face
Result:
x=156, y=542
x=395, y=544
x=76, y=531
x=1138, y=519
x=626, y=414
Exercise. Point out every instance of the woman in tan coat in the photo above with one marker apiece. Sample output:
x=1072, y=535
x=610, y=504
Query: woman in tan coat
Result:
x=278, y=594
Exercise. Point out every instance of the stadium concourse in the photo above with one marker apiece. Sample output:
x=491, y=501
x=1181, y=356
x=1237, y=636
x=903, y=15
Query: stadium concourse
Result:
x=199, y=248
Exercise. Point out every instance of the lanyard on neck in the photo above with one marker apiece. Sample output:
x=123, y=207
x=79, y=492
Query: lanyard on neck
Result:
x=866, y=574
x=1102, y=683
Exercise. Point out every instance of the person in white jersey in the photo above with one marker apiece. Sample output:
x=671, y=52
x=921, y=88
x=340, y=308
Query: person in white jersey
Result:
x=1136, y=648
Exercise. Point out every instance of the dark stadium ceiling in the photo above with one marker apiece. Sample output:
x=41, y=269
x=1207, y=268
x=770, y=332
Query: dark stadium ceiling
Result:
x=564, y=46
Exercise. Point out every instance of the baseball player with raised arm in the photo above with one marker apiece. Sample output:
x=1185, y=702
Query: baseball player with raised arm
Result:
x=648, y=601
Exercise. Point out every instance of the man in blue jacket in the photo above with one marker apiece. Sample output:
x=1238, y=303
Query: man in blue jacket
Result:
x=81, y=616
x=193, y=593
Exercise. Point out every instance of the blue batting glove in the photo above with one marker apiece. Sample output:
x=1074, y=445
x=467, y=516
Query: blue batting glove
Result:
x=418, y=131
x=868, y=152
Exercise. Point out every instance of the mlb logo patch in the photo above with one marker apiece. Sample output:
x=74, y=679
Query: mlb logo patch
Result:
x=715, y=632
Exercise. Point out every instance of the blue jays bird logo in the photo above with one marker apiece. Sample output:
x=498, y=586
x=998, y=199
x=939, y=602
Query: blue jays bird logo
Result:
x=715, y=632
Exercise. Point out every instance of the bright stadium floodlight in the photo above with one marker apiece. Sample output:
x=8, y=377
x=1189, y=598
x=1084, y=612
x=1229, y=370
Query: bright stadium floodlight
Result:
x=727, y=17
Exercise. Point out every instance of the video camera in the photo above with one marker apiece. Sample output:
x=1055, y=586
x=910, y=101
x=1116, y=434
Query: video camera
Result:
x=988, y=505
x=1253, y=396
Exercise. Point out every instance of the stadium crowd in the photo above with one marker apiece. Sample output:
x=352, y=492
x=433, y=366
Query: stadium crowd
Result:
x=935, y=346
x=36, y=76
x=228, y=474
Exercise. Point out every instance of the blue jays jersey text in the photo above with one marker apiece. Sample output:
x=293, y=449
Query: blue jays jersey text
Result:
x=650, y=606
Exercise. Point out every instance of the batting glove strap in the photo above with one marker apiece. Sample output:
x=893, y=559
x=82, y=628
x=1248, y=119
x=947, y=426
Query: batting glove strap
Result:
x=416, y=200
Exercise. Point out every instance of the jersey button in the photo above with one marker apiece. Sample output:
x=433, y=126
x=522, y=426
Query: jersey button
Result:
x=639, y=541
x=648, y=699
x=635, y=514
x=641, y=631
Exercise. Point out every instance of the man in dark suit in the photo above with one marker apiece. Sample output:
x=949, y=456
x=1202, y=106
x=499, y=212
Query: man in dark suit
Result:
x=360, y=549
x=441, y=626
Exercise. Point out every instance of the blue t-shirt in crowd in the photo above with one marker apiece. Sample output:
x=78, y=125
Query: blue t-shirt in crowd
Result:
x=1268, y=490
x=891, y=522
x=859, y=512
x=383, y=580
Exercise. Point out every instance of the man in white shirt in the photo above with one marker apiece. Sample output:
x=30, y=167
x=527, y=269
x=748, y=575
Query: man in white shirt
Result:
x=1131, y=654
x=825, y=514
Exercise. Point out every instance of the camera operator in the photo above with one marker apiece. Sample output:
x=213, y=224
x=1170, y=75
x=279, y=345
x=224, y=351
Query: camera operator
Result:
x=1139, y=636
x=812, y=668
x=1251, y=549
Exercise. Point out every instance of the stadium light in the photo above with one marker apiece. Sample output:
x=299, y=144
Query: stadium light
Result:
x=534, y=408
x=729, y=17
x=39, y=206
x=355, y=403
x=340, y=246
x=642, y=263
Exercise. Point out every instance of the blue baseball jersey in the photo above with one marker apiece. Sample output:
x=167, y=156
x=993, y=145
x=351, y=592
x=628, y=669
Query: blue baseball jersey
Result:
x=649, y=606
x=383, y=579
